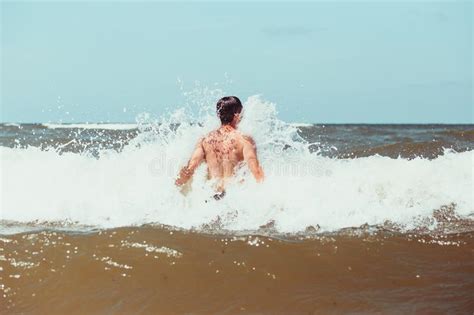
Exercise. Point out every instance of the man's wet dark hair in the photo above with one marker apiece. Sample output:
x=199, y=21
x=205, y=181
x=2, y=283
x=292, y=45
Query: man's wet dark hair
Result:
x=227, y=107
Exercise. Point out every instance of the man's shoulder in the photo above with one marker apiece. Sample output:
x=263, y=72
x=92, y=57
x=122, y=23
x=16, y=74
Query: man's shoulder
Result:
x=248, y=139
x=210, y=134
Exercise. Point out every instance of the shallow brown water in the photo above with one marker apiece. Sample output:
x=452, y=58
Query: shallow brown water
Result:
x=151, y=270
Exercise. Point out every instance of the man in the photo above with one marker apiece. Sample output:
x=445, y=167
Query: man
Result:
x=223, y=149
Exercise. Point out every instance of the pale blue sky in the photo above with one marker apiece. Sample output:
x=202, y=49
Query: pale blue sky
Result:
x=328, y=62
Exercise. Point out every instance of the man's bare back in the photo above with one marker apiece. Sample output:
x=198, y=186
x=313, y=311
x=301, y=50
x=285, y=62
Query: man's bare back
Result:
x=223, y=150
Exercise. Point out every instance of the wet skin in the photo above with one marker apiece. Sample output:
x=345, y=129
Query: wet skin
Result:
x=223, y=150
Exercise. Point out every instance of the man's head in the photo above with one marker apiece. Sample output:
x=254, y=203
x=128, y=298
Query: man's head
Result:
x=228, y=110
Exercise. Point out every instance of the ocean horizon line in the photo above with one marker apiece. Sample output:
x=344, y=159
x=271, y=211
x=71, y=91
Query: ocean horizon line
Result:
x=291, y=123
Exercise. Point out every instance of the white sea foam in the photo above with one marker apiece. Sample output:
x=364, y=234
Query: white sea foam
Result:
x=103, y=126
x=169, y=252
x=136, y=186
x=301, y=124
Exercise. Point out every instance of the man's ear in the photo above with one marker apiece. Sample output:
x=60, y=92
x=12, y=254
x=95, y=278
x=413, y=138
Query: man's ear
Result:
x=236, y=118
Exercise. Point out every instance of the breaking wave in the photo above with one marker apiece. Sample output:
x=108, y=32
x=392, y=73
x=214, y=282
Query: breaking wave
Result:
x=302, y=187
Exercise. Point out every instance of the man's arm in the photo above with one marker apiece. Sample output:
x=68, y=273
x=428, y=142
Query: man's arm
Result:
x=250, y=156
x=196, y=159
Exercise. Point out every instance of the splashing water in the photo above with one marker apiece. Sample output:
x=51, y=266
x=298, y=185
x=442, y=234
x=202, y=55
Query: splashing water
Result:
x=303, y=188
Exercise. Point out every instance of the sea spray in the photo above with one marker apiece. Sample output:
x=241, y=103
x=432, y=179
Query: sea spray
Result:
x=134, y=185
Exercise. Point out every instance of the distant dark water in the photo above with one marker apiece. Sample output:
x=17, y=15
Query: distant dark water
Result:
x=333, y=140
x=407, y=141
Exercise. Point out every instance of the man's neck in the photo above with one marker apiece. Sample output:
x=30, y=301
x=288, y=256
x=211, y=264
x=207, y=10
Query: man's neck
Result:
x=228, y=127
